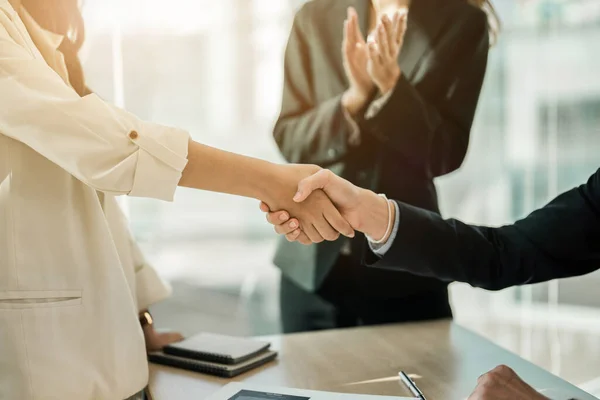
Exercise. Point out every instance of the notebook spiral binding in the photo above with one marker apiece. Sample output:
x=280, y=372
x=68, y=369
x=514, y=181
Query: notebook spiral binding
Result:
x=204, y=356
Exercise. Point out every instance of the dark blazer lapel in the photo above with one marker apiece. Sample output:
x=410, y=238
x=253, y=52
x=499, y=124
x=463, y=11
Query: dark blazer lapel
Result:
x=421, y=34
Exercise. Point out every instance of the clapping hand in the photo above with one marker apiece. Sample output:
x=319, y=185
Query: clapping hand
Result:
x=374, y=63
x=355, y=58
x=384, y=46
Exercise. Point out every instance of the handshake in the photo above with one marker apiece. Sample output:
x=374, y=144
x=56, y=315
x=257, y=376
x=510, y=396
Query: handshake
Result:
x=324, y=207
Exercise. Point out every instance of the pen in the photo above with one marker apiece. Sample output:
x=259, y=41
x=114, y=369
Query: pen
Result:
x=410, y=384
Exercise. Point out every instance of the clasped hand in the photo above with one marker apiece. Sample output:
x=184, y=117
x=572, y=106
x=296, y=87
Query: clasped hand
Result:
x=362, y=209
x=373, y=63
x=316, y=217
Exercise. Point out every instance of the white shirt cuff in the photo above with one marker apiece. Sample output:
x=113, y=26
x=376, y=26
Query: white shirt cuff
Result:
x=377, y=105
x=382, y=249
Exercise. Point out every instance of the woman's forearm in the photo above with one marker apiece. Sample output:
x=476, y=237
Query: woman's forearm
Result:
x=220, y=171
x=217, y=170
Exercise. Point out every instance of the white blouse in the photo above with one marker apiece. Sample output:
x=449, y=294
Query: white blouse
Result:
x=71, y=277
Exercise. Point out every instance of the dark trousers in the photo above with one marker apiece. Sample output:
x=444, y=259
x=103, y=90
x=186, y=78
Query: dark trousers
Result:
x=354, y=295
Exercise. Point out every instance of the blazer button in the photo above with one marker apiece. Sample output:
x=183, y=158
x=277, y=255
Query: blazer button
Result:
x=133, y=135
x=332, y=153
x=362, y=176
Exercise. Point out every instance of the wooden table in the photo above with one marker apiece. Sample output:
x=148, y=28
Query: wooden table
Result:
x=367, y=360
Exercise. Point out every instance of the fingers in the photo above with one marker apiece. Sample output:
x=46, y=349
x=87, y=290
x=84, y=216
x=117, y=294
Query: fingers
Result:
x=357, y=35
x=337, y=222
x=346, y=42
x=325, y=230
x=264, y=207
x=277, y=217
x=287, y=227
x=402, y=25
x=293, y=235
x=385, y=37
x=313, y=234
x=374, y=55
x=395, y=26
x=302, y=238
x=173, y=337
x=348, y=33
x=314, y=182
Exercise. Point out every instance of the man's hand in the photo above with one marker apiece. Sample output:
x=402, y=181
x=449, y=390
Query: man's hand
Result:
x=315, y=216
x=502, y=383
x=363, y=209
x=355, y=57
x=385, y=44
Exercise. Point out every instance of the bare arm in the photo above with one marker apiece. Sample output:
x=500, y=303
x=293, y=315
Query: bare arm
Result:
x=221, y=171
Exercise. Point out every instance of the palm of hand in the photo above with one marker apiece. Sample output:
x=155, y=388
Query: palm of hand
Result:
x=355, y=65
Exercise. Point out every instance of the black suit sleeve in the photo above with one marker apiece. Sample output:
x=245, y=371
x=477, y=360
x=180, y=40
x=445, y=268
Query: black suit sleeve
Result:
x=557, y=241
x=306, y=132
x=430, y=123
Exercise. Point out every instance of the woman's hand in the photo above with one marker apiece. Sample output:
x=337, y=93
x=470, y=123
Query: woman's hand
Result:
x=384, y=46
x=155, y=341
x=355, y=58
x=316, y=216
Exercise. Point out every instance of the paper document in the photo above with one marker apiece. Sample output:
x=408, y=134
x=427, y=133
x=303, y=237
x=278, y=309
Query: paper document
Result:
x=241, y=391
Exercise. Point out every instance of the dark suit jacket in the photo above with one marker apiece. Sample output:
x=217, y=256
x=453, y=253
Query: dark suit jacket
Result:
x=422, y=132
x=557, y=241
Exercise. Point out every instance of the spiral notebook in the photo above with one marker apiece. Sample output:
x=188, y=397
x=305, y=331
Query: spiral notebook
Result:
x=212, y=368
x=217, y=348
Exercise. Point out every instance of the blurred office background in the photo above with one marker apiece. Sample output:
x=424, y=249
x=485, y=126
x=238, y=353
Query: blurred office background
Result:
x=215, y=68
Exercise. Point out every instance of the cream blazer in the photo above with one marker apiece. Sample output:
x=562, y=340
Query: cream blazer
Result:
x=71, y=277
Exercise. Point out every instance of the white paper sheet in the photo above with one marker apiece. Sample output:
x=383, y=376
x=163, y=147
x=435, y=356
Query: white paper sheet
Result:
x=241, y=391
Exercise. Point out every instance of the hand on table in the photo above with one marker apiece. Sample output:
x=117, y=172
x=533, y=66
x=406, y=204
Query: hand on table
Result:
x=384, y=46
x=315, y=216
x=155, y=341
x=502, y=383
x=361, y=208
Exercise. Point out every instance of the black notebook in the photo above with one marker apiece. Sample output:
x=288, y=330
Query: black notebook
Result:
x=217, y=348
x=226, y=371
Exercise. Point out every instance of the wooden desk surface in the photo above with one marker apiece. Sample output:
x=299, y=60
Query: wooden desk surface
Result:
x=447, y=357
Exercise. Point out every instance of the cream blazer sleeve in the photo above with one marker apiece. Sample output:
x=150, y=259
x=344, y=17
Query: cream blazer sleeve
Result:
x=150, y=287
x=103, y=146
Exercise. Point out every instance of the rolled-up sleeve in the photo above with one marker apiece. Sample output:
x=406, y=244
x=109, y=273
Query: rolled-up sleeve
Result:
x=103, y=146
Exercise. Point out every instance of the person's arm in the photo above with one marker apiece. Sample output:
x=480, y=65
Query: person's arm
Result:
x=559, y=240
x=114, y=152
x=430, y=125
x=307, y=132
